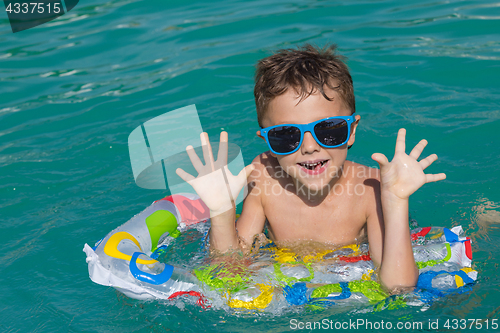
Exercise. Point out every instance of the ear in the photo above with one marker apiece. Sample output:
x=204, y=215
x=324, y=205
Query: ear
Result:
x=354, y=125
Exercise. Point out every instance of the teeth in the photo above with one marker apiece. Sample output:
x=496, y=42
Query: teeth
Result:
x=311, y=165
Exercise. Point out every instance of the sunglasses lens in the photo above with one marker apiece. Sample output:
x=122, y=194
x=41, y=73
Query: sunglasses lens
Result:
x=284, y=139
x=332, y=132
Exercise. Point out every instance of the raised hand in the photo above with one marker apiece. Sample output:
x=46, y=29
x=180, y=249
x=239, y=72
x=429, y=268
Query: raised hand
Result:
x=404, y=174
x=215, y=184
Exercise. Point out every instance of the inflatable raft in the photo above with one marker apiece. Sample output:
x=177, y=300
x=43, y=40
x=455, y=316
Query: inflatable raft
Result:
x=275, y=278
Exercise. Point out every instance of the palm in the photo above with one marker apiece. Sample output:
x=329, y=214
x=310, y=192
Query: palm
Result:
x=215, y=184
x=404, y=174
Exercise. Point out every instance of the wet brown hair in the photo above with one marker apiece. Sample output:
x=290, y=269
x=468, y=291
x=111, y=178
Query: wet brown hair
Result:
x=306, y=69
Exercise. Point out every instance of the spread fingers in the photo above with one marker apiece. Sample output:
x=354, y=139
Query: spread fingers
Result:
x=207, y=150
x=417, y=150
x=400, y=141
x=435, y=177
x=184, y=175
x=427, y=161
x=222, y=155
x=195, y=160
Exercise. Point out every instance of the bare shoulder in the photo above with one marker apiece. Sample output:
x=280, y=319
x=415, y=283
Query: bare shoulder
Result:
x=367, y=182
x=264, y=160
x=260, y=173
x=265, y=166
x=360, y=173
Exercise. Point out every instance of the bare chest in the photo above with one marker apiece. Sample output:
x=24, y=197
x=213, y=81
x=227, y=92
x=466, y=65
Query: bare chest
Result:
x=335, y=221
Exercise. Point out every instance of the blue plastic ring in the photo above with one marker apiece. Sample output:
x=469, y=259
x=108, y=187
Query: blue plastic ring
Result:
x=155, y=279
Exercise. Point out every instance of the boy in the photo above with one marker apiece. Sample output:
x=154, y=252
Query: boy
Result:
x=304, y=187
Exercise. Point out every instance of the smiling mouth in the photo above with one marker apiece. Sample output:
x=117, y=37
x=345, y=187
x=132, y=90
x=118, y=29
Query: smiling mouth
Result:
x=316, y=166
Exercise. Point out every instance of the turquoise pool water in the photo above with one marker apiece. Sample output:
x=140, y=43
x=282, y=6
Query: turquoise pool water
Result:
x=73, y=89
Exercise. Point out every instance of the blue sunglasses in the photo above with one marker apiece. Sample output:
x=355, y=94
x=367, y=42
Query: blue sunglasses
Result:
x=329, y=133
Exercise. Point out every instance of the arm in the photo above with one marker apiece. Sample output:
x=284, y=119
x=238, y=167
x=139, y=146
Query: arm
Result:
x=253, y=218
x=217, y=187
x=251, y=222
x=398, y=180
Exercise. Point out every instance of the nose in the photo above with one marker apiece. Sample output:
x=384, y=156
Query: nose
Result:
x=309, y=145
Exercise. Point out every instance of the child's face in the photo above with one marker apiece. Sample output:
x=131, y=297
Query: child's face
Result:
x=285, y=109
